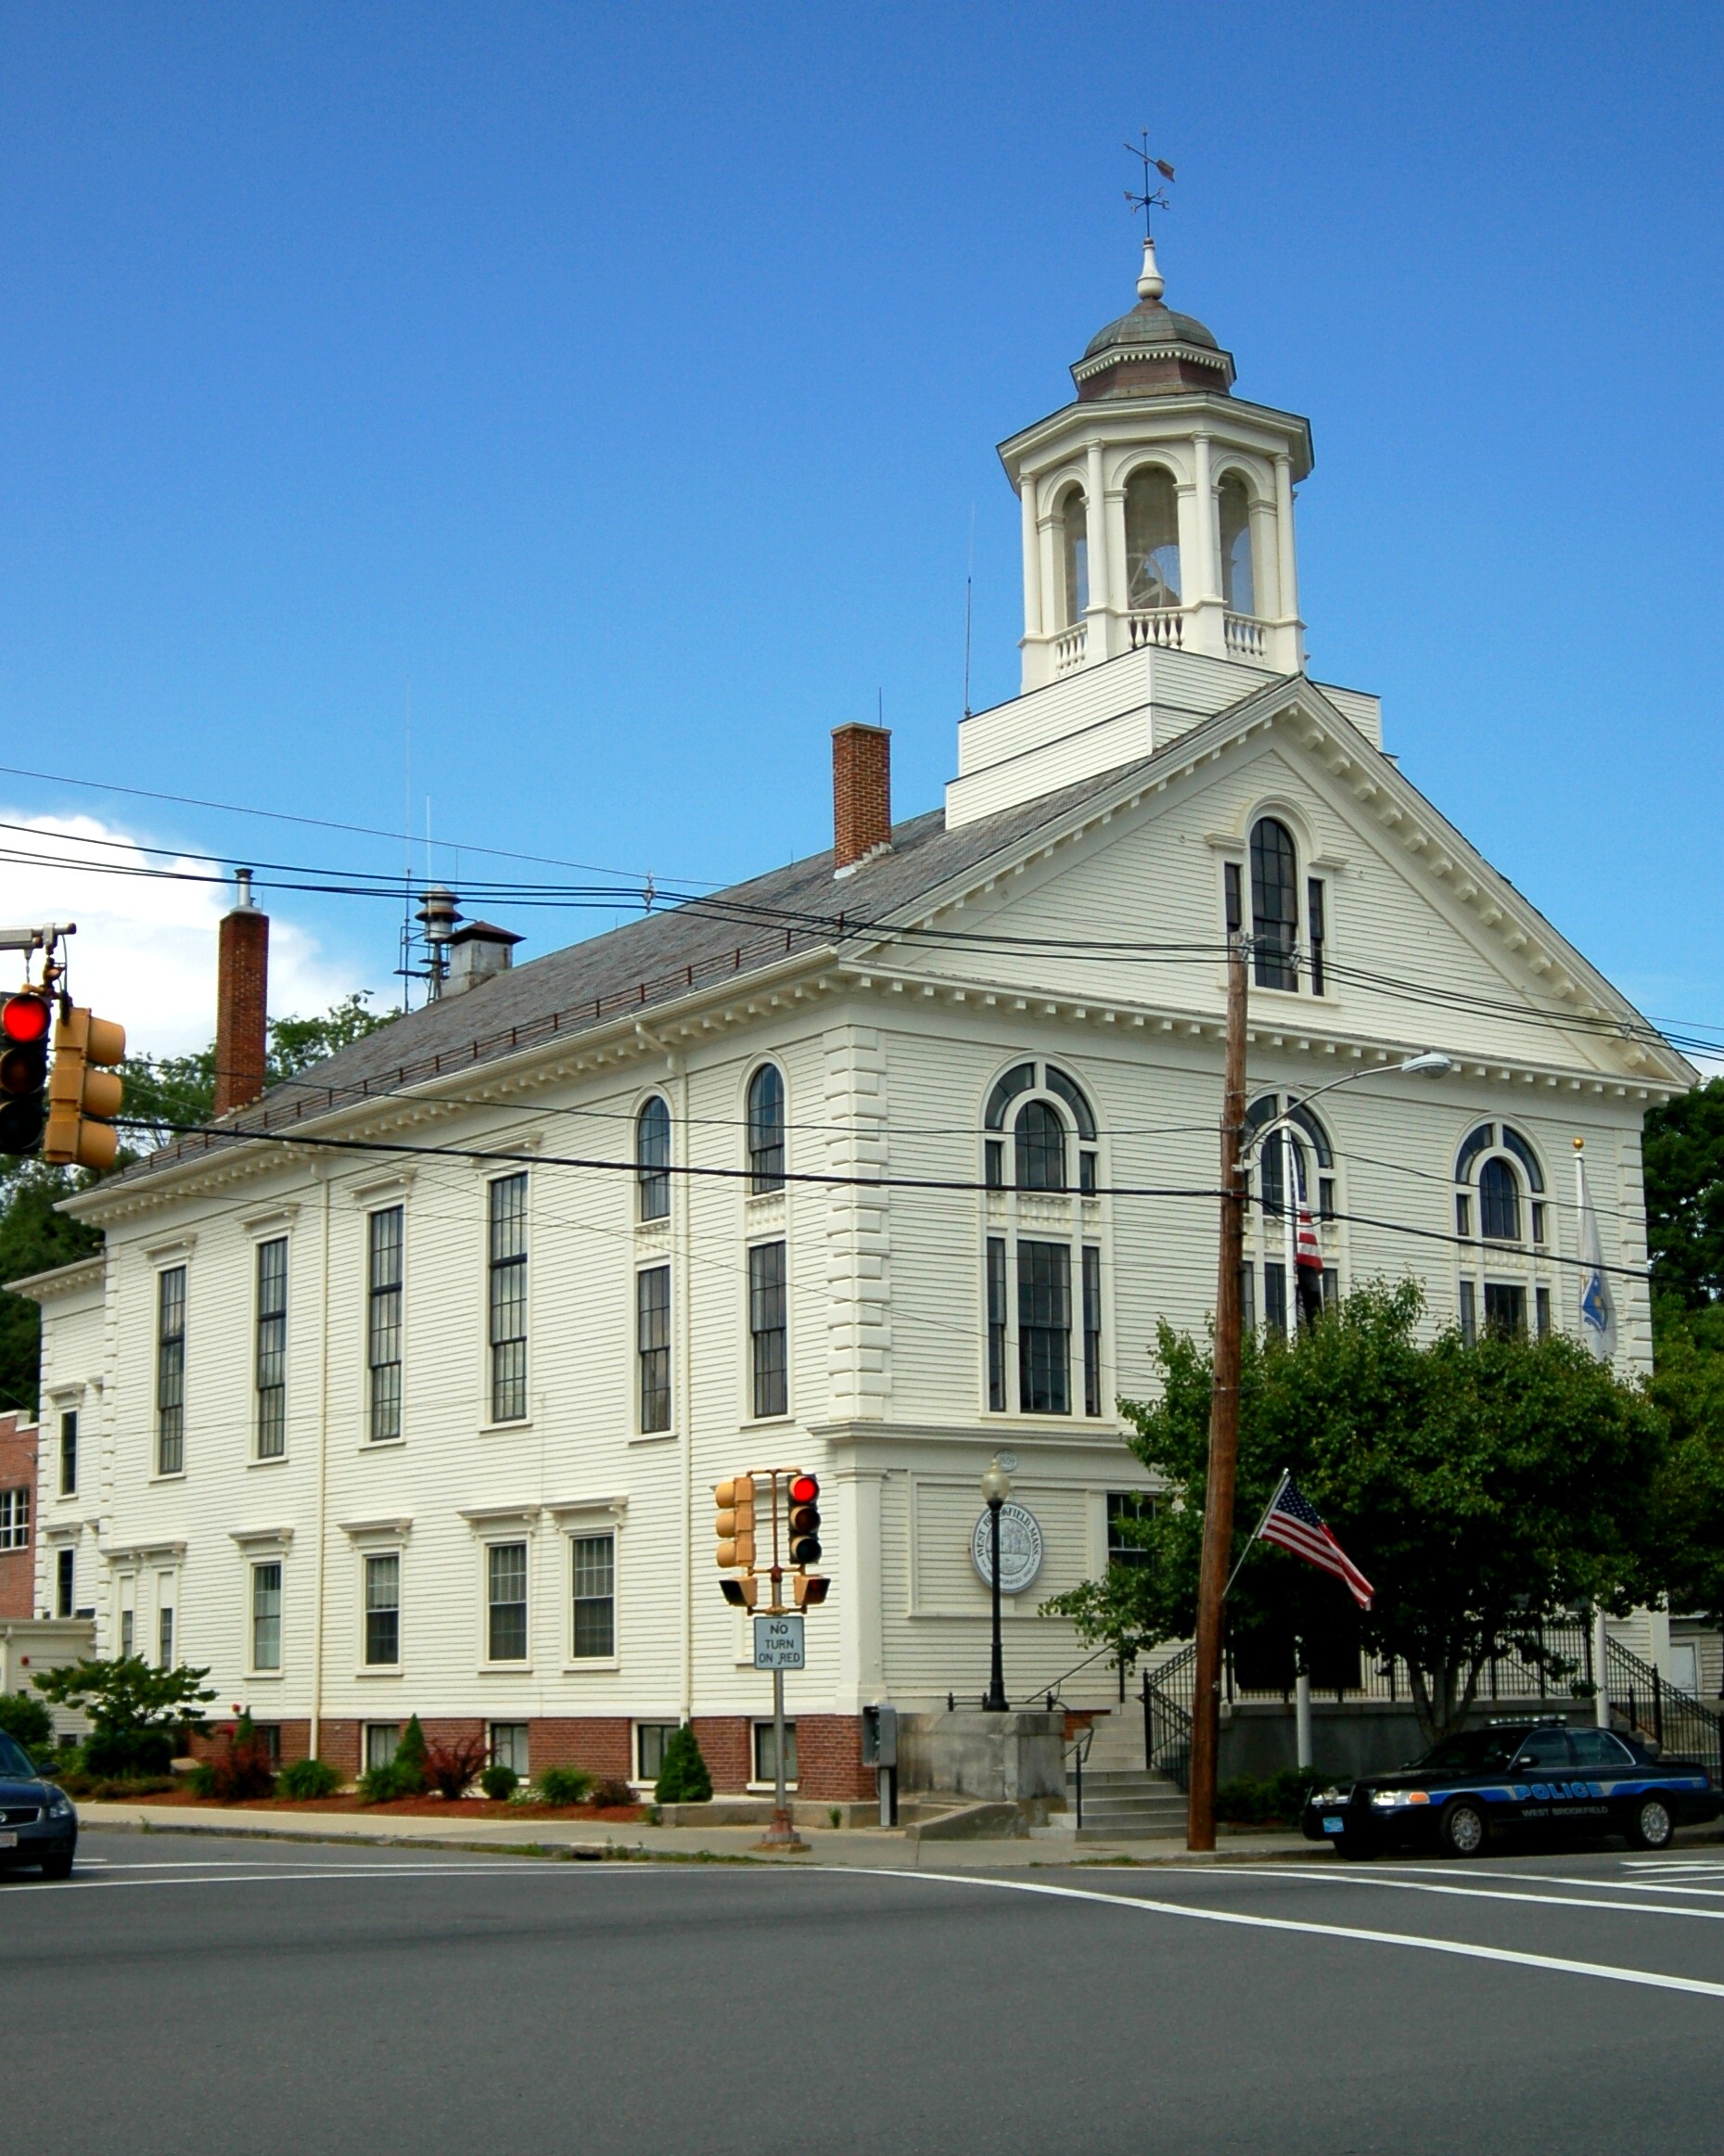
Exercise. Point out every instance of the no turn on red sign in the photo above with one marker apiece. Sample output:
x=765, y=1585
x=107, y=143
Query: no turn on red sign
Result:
x=778, y=1642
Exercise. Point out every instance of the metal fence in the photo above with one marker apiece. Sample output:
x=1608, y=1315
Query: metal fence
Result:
x=1551, y=1660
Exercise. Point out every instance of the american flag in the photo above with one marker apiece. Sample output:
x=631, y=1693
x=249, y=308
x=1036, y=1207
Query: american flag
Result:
x=1293, y=1522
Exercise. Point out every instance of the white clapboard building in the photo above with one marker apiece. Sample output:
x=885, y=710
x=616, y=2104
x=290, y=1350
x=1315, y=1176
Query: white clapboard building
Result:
x=877, y=1165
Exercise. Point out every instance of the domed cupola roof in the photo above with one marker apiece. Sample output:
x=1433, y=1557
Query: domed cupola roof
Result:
x=1152, y=351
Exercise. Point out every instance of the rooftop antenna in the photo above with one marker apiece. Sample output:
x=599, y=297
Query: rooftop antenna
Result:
x=1150, y=283
x=405, y=967
x=969, y=596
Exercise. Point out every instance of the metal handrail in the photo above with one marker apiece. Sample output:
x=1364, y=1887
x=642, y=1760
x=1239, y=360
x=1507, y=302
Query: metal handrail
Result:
x=1077, y=1751
x=1681, y=1721
x=1052, y=1690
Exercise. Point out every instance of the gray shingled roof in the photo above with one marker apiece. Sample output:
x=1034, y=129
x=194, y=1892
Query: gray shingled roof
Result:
x=648, y=962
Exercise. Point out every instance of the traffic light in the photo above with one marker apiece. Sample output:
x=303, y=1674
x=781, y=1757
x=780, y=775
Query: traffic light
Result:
x=736, y=1523
x=81, y=1095
x=25, y=1022
x=807, y=1590
x=741, y=1594
x=802, y=1521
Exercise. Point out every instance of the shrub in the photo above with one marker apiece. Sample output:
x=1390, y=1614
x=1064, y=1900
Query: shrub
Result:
x=499, y=1783
x=27, y=1722
x=609, y=1790
x=119, y=1755
x=410, y=1756
x=564, y=1785
x=1277, y=1800
x=451, y=1769
x=114, y=1788
x=308, y=1779
x=382, y=1785
x=682, y=1778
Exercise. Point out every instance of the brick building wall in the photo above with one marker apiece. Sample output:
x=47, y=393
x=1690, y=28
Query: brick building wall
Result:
x=18, y=1451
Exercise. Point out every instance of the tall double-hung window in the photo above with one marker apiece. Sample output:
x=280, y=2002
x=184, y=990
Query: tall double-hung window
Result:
x=383, y=1323
x=508, y=1298
x=272, y=1349
x=769, y=1329
x=1042, y=1270
x=171, y=1370
x=652, y=1290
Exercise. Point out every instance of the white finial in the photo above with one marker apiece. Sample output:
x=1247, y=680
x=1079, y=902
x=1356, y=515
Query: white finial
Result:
x=1151, y=285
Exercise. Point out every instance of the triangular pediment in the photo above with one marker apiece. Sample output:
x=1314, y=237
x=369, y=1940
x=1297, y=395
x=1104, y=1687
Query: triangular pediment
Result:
x=1115, y=896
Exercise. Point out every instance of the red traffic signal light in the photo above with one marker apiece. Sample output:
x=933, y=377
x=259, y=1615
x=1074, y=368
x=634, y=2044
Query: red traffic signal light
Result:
x=802, y=1538
x=26, y=1018
x=24, y=1023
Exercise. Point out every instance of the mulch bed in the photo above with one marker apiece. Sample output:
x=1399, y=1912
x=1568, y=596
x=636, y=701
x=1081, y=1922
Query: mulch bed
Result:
x=457, y=1810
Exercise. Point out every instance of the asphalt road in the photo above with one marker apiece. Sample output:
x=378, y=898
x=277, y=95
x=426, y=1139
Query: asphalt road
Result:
x=219, y=1997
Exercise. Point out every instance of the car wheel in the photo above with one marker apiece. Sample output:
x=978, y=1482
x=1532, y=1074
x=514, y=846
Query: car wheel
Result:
x=1464, y=1830
x=1354, y=1847
x=57, y=1867
x=1650, y=1826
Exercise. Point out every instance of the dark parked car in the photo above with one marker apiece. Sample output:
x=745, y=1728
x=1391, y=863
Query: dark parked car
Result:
x=37, y=1822
x=1517, y=1776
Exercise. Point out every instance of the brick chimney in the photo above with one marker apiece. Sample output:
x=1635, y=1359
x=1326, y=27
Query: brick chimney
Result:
x=241, y=1002
x=862, y=795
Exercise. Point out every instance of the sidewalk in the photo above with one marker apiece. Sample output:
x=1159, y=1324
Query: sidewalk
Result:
x=861, y=1848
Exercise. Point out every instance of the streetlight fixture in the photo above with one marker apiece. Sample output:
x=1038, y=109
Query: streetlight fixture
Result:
x=996, y=1488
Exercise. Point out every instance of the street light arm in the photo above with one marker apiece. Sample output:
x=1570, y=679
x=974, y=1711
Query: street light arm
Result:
x=1429, y=1065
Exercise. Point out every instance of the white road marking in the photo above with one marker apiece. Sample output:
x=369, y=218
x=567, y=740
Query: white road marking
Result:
x=1608, y=1972
x=1490, y=1894
x=1567, y=1879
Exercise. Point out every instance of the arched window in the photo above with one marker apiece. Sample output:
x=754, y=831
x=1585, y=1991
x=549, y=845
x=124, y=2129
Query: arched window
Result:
x=1293, y=1166
x=1151, y=539
x=1275, y=903
x=1497, y=1159
x=1075, y=555
x=1499, y=1201
x=766, y=1128
x=652, y=1158
x=1238, y=580
x=1041, y=1147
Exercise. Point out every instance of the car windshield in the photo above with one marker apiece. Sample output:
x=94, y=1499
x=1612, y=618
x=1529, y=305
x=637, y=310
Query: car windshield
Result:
x=13, y=1759
x=1474, y=1751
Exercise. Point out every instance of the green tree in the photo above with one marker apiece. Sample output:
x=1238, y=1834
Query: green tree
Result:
x=1478, y=1489
x=683, y=1778
x=1688, y=1388
x=169, y=1092
x=27, y=1722
x=134, y=1709
x=33, y=1238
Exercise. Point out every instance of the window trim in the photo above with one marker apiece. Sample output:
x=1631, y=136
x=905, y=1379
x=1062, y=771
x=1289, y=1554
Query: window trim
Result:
x=367, y=1558
x=494, y=1267
x=650, y=1178
x=375, y=1292
x=163, y=1342
x=575, y=1533
x=658, y=1348
x=753, y=1335
x=16, y=1522
x=262, y=1413
x=255, y=1568
x=768, y=1182
x=69, y=1426
x=489, y=1550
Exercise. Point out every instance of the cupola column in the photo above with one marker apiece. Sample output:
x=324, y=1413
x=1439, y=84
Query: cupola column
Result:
x=1100, y=579
x=1206, y=629
x=1032, y=559
x=1291, y=658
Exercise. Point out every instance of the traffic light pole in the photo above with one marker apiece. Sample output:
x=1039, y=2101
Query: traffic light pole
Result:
x=782, y=1835
x=1218, y=1508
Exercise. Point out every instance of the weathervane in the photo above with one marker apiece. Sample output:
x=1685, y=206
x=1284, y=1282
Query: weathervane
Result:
x=1153, y=197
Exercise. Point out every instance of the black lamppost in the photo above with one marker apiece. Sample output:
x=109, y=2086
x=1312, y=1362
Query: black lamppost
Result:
x=996, y=1488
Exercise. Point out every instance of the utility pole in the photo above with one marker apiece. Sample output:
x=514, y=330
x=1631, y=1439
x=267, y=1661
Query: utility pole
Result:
x=1218, y=1508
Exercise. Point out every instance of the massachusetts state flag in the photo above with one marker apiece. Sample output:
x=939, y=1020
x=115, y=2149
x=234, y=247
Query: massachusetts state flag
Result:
x=1598, y=1319
x=1293, y=1522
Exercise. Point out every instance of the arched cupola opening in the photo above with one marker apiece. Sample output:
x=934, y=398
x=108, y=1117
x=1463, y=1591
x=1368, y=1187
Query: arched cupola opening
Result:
x=1152, y=508
x=1074, y=524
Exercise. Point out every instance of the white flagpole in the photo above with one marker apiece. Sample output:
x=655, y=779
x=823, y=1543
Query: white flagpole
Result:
x=1286, y=1476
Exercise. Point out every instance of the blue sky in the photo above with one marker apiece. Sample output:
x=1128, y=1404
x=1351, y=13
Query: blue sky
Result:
x=627, y=380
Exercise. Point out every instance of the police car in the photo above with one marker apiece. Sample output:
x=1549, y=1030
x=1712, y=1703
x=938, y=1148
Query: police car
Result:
x=1533, y=1776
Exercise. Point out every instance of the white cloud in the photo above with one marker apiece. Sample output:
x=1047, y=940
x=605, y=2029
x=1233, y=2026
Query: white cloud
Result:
x=145, y=953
